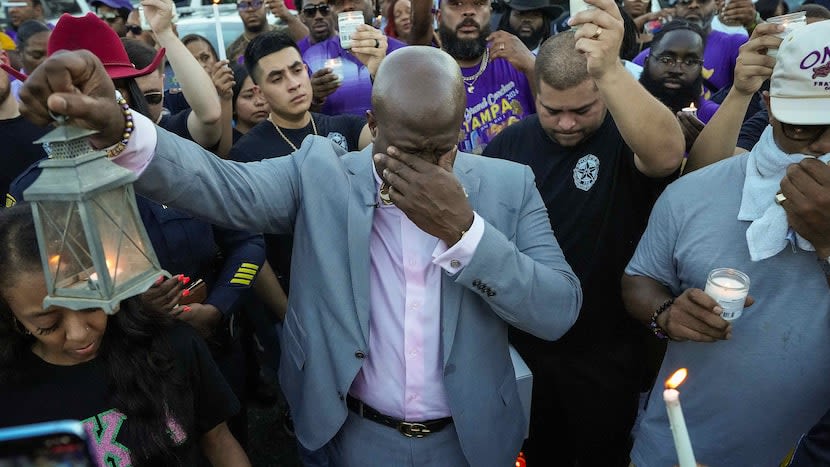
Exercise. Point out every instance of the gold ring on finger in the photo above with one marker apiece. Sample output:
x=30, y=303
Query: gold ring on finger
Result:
x=597, y=34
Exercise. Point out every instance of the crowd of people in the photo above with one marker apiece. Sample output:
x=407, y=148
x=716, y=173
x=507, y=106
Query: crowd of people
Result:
x=378, y=217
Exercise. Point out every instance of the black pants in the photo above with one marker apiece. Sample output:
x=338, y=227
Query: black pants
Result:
x=584, y=405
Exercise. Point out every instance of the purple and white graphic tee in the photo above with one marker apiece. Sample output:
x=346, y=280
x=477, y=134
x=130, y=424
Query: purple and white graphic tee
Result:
x=500, y=97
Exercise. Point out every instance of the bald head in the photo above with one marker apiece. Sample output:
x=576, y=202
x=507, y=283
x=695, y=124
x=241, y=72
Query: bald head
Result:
x=421, y=85
x=559, y=64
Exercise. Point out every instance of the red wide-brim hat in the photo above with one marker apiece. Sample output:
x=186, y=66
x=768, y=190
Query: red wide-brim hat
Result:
x=91, y=33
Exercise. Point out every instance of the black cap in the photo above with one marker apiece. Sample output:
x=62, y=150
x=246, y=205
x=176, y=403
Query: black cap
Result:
x=549, y=10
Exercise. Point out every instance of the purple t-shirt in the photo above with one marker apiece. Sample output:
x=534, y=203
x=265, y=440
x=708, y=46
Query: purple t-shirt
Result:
x=354, y=96
x=304, y=44
x=706, y=109
x=719, y=58
x=501, y=97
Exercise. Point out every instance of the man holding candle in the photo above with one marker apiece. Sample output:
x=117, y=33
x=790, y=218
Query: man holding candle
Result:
x=759, y=381
x=600, y=163
x=673, y=74
x=721, y=49
x=348, y=91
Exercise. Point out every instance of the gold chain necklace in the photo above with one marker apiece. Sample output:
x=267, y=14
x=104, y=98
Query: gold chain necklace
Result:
x=471, y=80
x=313, y=127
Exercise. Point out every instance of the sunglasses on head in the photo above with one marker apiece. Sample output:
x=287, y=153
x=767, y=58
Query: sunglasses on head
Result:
x=133, y=28
x=109, y=16
x=804, y=133
x=311, y=10
x=153, y=97
x=252, y=5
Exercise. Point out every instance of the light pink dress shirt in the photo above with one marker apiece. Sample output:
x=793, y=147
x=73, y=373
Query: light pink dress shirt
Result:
x=403, y=373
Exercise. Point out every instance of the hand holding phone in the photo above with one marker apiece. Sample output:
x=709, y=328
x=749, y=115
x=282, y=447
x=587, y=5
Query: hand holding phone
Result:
x=196, y=293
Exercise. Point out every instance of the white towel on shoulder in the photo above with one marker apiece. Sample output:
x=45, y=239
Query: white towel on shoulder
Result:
x=766, y=166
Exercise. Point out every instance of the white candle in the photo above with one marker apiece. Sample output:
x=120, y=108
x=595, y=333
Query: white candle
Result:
x=729, y=287
x=575, y=7
x=220, y=38
x=690, y=109
x=791, y=22
x=682, y=443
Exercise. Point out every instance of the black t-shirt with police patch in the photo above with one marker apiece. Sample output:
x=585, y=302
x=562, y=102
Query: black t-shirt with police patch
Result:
x=598, y=204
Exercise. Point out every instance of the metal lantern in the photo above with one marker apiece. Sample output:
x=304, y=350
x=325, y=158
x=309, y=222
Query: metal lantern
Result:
x=93, y=245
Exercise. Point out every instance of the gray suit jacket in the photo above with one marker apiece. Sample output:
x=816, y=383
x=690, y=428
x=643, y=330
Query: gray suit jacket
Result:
x=517, y=276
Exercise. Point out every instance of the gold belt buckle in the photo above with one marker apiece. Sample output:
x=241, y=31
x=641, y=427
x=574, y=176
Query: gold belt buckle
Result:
x=413, y=430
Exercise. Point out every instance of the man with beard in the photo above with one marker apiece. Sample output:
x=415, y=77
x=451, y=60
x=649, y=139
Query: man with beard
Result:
x=601, y=148
x=497, y=76
x=317, y=16
x=17, y=135
x=721, y=49
x=342, y=81
x=672, y=74
x=529, y=20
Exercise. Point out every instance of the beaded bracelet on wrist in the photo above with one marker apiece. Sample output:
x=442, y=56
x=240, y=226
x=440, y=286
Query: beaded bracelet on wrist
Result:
x=655, y=328
x=128, y=128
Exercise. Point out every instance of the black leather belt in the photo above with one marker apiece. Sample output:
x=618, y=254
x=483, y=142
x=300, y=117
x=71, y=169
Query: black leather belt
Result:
x=408, y=429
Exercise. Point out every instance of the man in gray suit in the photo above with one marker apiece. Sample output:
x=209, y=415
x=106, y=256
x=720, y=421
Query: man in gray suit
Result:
x=405, y=272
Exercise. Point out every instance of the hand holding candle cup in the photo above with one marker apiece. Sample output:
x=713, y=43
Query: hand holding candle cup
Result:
x=694, y=316
x=347, y=23
x=791, y=22
x=729, y=287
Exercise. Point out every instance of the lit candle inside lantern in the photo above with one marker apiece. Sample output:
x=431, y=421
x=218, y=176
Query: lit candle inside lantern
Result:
x=691, y=109
x=220, y=38
x=682, y=443
x=92, y=281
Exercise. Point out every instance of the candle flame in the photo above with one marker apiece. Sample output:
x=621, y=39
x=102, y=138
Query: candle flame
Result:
x=54, y=260
x=692, y=106
x=677, y=378
x=216, y=2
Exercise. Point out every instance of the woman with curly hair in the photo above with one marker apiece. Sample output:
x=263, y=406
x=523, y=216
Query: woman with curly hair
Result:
x=144, y=384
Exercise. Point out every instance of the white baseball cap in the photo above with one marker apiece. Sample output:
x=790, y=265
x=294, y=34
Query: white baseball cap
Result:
x=800, y=83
